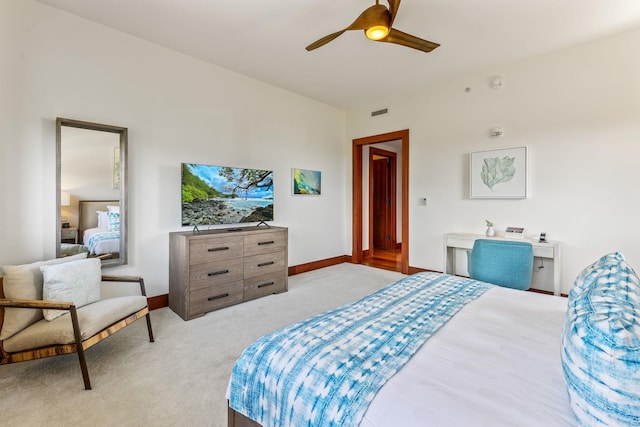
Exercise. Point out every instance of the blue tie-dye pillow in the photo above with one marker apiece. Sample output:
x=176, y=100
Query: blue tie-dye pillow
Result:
x=608, y=266
x=601, y=344
x=114, y=221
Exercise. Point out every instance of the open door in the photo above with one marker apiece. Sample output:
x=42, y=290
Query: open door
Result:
x=357, y=209
x=382, y=199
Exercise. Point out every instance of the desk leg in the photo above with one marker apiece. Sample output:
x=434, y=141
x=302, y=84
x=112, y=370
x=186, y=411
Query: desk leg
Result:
x=449, y=260
x=557, y=272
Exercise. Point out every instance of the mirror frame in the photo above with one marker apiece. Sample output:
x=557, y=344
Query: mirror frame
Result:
x=123, y=133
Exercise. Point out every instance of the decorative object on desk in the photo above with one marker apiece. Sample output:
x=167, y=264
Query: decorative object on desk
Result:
x=514, y=233
x=490, y=231
x=498, y=174
x=306, y=182
x=543, y=237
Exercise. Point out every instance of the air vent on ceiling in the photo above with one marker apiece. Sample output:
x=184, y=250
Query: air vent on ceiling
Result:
x=378, y=112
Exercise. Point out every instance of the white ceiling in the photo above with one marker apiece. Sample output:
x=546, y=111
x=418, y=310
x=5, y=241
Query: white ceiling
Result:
x=266, y=39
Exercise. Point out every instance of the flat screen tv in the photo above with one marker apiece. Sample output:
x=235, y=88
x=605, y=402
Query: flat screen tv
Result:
x=225, y=195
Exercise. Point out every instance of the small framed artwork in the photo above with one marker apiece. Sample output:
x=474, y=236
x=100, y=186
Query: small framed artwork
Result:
x=498, y=174
x=306, y=182
x=116, y=168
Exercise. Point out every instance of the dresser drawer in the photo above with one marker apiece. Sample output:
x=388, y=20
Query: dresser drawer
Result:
x=260, y=243
x=258, y=265
x=214, y=249
x=260, y=286
x=215, y=297
x=215, y=273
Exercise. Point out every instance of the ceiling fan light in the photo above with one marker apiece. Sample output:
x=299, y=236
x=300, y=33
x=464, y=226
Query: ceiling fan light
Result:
x=377, y=32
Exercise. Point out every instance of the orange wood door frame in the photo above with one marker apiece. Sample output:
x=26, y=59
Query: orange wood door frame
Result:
x=403, y=136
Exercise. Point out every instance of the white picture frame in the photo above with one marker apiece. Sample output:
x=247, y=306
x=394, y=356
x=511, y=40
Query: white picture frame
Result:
x=498, y=174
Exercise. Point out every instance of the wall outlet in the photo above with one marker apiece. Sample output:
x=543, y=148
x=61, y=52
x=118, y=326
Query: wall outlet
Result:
x=423, y=201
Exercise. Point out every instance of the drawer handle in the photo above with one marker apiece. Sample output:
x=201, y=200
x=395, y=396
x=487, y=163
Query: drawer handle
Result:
x=218, y=297
x=264, y=264
x=221, y=248
x=264, y=285
x=268, y=242
x=217, y=273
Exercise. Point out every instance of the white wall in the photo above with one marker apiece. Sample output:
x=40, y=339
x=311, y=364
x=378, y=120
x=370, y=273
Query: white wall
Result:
x=177, y=109
x=577, y=110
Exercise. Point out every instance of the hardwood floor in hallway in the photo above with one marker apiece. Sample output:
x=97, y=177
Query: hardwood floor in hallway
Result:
x=385, y=259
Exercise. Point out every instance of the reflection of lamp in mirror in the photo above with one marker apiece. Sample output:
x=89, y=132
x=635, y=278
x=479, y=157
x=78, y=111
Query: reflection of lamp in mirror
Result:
x=65, y=200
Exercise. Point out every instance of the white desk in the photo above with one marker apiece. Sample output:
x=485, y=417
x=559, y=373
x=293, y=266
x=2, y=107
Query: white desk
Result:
x=550, y=249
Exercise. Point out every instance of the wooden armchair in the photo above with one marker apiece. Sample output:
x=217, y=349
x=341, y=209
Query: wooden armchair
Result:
x=84, y=327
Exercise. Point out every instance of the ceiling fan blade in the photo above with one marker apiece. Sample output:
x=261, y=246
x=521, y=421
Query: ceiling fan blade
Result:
x=393, y=9
x=404, y=39
x=366, y=19
x=324, y=40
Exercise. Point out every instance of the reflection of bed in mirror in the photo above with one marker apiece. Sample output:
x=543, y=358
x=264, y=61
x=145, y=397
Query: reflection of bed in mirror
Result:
x=99, y=227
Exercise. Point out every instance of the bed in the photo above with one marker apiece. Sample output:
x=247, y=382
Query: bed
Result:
x=99, y=227
x=497, y=357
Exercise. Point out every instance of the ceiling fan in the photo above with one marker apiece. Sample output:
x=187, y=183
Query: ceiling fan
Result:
x=376, y=21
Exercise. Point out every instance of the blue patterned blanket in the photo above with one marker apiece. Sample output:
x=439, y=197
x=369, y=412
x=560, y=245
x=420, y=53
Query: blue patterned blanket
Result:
x=325, y=371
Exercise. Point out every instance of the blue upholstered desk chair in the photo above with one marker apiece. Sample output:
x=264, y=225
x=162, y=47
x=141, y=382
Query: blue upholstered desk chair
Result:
x=501, y=262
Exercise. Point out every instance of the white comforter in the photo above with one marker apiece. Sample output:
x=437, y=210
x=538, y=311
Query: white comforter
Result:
x=101, y=247
x=496, y=363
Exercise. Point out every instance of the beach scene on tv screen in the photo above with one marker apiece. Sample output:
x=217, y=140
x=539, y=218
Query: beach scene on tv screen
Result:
x=225, y=195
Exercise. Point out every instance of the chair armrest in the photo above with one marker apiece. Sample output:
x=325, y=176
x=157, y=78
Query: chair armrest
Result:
x=38, y=304
x=127, y=279
x=110, y=278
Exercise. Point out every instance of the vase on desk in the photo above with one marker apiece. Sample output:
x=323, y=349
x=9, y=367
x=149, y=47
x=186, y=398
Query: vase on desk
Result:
x=490, y=232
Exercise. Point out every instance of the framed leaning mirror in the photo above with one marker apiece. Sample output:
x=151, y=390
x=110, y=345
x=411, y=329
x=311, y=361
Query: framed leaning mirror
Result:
x=91, y=185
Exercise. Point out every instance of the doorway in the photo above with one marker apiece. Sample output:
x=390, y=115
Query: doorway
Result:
x=382, y=200
x=357, y=208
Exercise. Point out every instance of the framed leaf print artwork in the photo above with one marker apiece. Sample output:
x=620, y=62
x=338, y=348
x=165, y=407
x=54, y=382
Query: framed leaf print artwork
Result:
x=498, y=174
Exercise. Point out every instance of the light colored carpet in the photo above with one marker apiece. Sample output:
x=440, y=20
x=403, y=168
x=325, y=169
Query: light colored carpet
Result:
x=181, y=379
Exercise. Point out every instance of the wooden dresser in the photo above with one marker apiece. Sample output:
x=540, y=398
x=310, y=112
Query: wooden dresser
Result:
x=217, y=268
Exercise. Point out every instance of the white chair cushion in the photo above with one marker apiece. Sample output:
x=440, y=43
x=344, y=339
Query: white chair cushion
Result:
x=77, y=282
x=25, y=282
x=92, y=319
